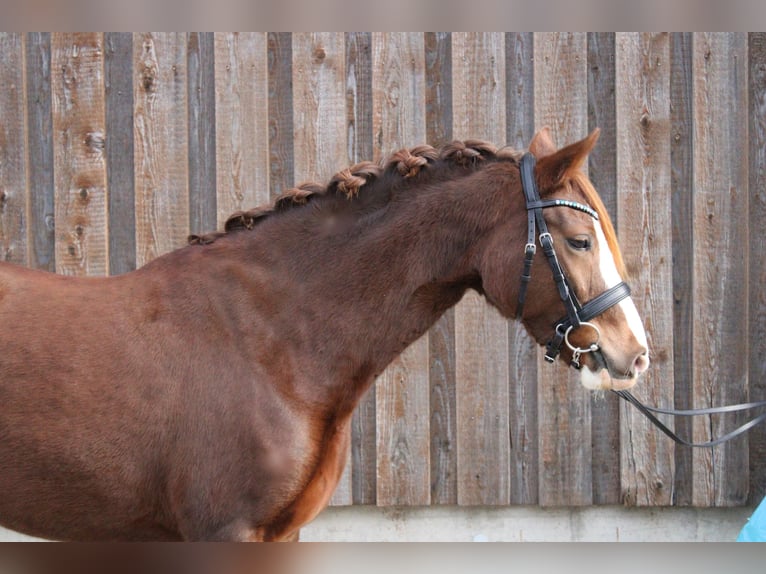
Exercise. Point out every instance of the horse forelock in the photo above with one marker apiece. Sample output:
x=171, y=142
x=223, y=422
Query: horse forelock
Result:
x=594, y=200
x=410, y=165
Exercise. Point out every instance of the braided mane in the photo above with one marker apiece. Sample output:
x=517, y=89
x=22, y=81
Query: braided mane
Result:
x=405, y=164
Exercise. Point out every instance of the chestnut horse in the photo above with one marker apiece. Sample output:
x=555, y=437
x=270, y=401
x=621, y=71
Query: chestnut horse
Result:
x=208, y=394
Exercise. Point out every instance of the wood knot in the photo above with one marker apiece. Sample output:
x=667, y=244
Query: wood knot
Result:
x=148, y=78
x=319, y=55
x=95, y=141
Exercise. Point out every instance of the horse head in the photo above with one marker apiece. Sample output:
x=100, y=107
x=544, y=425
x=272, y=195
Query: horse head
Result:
x=582, y=263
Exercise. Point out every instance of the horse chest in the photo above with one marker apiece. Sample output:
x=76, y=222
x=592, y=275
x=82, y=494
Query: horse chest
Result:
x=315, y=496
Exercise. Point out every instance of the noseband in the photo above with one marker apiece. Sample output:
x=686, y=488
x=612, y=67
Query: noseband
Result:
x=577, y=315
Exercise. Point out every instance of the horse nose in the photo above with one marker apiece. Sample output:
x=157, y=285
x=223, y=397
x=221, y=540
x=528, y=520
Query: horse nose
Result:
x=641, y=363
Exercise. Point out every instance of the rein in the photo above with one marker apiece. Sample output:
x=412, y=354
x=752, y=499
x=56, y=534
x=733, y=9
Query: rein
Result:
x=649, y=412
x=579, y=315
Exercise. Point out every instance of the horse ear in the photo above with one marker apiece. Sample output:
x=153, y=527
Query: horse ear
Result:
x=542, y=143
x=553, y=168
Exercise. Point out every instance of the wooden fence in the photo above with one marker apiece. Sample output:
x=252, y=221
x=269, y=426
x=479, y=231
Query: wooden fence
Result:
x=114, y=147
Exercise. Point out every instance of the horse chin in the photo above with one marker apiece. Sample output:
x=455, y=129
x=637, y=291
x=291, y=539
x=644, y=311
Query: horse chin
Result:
x=600, y=380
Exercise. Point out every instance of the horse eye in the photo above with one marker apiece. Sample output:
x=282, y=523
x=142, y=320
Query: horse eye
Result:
x=580, y=243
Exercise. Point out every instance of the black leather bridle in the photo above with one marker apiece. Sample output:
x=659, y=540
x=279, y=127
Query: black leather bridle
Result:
x=580, y=315
x=577, y=315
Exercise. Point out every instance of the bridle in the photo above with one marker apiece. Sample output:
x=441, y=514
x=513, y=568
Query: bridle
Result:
x=578, y=315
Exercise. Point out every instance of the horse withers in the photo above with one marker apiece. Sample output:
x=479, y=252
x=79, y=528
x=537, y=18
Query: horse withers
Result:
x=208, y=395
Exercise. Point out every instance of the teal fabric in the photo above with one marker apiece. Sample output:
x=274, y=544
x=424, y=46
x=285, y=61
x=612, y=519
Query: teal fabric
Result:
x=755, y=529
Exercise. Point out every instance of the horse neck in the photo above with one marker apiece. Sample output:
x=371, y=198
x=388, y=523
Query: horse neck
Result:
x=363, y=288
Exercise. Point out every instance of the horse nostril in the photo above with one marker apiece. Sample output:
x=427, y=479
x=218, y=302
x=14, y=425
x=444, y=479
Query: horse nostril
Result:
x=641, y=363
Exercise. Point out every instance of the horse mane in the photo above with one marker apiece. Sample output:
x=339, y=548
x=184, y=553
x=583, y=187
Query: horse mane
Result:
x=408, y=164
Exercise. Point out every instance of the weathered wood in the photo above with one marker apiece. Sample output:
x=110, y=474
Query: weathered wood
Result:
x=13, y=177
x=402, y=389
x=320, y=147
x=319, y=99
x=359, y=125
x=720, y=269
x=602, y=170
x=118, y=85
x=170, y=154
x=279, y=56
x=41, y=248
x=522, y=349
x=441, y=341
x=564, y=406
x=757, y=261
x=481, y=334
x=79, y=128
x=241, y=115
x=643, y=180
x=161, y=144
x=683, y=250
x=201, y=127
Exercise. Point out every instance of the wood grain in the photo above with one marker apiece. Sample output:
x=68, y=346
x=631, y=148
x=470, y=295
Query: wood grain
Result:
x=118, y=85
x=643, y=180
x=441, y=338
x=564, y=406
x=720, y=270
x=757, y=262
x=13, y=176
x=161, y=144
x=200, y=56
x=683, y=250
x=358, y=47
x=522, y=349
x=41, y=222
x=481, y=334
x=402, y=389
x=79, y=128
x=602, y=170
x=279, y=47
x=242, y=123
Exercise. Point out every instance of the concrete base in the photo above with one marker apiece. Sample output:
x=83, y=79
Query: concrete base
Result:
x=517, y=524
x=526, y=524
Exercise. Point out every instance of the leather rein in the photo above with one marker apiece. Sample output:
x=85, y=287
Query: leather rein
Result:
x=579, y=315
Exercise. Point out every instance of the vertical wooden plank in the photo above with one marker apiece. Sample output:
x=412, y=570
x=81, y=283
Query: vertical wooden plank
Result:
x=643, y=181
x=481, y=334
x=118, y=79
x=720, y=270
x=242, y=123
x=202, y=129
x=683, y=251
x=757, y=261
x=359, y=125
x=13, y=176
x=161, y=149
x=441, y=338
x=280, y=57
x=79, y=128
x=41, y=227
x=402, y=389
x=319, y=105
x=320, y=144
x=522, y=349
x=564, y=406
x=605, y=414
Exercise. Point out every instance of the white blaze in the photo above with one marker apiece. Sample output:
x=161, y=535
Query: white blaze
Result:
x=611, y=276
